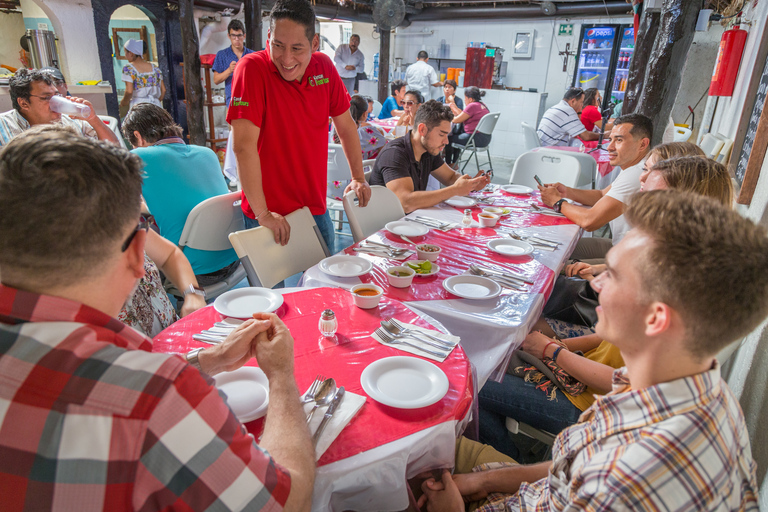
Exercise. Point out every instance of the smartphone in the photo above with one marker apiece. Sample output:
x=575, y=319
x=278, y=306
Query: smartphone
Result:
x=538, y=180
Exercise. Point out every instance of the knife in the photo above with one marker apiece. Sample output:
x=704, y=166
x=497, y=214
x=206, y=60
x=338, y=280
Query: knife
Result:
x=425, y=223
x=509, y=276
x=328, y=414
x=441, y=224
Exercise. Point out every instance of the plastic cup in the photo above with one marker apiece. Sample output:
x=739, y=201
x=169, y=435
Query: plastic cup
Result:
x=63, y=106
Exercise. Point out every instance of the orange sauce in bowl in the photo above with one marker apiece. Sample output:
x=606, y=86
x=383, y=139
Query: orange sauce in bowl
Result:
x=366, y=292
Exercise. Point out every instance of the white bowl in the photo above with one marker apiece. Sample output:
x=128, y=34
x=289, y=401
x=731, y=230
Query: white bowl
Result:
x=487, y=220
x=493, y=210
x=400, y=281
x=428, y=255
x=366, y=301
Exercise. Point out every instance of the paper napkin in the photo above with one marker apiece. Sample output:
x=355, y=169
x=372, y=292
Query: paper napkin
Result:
x=350, y=405
x=453, y=340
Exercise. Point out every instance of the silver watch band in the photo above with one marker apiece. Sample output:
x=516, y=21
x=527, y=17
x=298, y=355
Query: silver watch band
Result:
x=192, y=358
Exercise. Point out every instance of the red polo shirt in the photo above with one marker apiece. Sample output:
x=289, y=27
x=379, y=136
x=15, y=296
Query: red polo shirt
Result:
x=293, y=118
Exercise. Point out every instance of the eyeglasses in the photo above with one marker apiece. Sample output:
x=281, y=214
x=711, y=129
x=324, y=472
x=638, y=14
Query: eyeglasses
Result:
x=409, y=103
x=143, y=224
x=236, y=36
x=46, y=98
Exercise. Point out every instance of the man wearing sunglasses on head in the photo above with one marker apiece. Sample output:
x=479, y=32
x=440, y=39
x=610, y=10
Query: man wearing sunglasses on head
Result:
x=31, y=92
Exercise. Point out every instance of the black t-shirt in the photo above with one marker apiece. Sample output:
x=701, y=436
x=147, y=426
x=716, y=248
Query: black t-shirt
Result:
x=396, y=161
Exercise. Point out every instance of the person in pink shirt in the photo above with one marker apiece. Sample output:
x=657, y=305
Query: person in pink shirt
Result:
x=473, y=112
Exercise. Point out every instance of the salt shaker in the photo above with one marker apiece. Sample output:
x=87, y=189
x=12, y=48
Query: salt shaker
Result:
x=467, y=220
x=328, y=323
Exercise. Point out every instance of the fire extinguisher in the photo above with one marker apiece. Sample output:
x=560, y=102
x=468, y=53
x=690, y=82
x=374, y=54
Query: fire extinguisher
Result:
x=728, y=61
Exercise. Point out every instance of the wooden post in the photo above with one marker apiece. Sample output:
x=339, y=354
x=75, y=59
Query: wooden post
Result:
x=384, y=38
x=253, y=24
x=193, y=89
x=677, y=24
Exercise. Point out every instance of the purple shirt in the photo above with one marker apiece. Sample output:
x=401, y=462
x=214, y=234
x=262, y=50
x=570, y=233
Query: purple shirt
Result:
x=476, y=110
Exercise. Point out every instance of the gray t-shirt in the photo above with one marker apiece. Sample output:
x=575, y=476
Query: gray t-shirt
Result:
x=397, y=160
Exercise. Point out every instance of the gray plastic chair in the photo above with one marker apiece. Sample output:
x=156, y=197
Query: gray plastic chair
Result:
x=486, y=126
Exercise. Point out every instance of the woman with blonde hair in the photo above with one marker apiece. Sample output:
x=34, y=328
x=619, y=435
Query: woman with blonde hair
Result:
x=693, y=173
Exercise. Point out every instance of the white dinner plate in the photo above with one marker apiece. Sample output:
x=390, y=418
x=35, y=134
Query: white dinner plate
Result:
x=516, y=189
x=510, y=247
x=461, y=202
x=401, y=227
x=343, y=265
x=244, y=302
x=404, y=382
x=247, y=391
x=472, y=287
x=435, y=267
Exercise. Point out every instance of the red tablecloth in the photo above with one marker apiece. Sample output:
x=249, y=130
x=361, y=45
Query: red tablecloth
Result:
x=460, y=247
x=344, y=359
x=604, y=166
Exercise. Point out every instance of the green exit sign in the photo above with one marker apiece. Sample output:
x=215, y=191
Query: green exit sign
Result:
x=566, y=29
x=490, y=52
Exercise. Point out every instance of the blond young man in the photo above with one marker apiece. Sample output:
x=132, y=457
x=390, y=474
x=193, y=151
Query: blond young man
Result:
x=671, y=435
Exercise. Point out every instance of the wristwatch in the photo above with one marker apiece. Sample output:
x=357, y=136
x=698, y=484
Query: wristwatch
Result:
x=192, y=358
x=194, y=289
x=558, y=205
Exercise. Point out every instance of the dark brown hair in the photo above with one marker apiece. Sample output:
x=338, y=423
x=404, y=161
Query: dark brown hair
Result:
x=432, y=114
x=642, y=126
x=706, y=262
x=152, y=122
x=66, y=202
x=20, y=84
x=299, y=11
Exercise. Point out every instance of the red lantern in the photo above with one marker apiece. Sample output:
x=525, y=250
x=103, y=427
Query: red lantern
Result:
x=728, y=61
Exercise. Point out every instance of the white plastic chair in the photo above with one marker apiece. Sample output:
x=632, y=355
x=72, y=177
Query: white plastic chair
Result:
x=111, y=123
x=377, y=106
x=682, y=134
x=725, y=151
x=587, y=163
x=549, y=167
x=531, y=137
x=486, y=126
x=383, y=207
x=267, y=263
x=338, y=170
x=206, y=229
x=711, y=145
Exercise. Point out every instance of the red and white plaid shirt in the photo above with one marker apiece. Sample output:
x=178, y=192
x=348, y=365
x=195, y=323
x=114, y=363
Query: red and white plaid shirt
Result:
x=676, y=446
x=90, y=419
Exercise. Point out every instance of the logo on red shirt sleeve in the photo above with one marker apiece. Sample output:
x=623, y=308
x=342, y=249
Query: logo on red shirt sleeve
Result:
x=238, y=102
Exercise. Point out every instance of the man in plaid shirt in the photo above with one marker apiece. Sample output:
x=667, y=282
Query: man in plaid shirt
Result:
x=671, y=435
x=90, y=418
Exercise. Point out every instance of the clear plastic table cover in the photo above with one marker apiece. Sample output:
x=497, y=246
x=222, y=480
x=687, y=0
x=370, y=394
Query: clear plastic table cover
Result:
x=344, y=358
x=490, y=329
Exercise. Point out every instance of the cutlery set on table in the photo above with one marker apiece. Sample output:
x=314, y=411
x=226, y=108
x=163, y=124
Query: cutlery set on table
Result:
x=415, y=340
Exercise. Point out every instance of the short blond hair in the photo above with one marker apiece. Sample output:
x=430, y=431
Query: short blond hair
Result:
x=705, y=261
x=675, y=150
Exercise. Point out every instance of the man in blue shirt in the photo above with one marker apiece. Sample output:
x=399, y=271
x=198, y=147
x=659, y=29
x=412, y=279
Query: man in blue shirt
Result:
x=392, y=105
x=226, y=59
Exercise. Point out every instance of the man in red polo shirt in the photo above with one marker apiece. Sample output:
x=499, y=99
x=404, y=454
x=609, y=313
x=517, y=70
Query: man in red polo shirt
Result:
x=281, y=100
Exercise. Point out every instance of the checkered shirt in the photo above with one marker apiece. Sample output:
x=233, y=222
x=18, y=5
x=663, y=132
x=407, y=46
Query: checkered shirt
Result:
x=676, y=446
x=90, y=419
x=12, y=123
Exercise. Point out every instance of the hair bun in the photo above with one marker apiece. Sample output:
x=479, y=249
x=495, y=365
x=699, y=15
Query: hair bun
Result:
x=482, y=93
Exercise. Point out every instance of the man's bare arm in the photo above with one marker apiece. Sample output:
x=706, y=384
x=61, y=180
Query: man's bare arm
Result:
x=245, y=136
x=350, y=143
x=604, y=211
x=457, y=185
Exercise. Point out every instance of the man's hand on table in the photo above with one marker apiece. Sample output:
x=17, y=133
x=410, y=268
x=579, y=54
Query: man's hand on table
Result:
x=239, y=347
x=278, y=225
x=361, y=189
x=274, y=347
x=442, y=496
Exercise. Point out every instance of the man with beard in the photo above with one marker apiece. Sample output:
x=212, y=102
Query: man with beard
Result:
x=404, y=165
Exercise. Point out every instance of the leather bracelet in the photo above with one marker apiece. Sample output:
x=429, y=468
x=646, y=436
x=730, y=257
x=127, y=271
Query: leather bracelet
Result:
x=543, y=352
x=554, y=356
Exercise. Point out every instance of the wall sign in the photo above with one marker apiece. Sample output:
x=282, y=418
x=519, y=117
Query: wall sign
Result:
x=565, y=29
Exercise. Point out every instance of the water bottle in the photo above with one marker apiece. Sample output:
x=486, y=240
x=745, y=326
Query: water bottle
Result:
x=376, y=66
x=64, y=106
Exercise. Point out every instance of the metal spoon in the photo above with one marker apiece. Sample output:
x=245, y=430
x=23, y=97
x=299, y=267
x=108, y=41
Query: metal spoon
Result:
x=323, y=396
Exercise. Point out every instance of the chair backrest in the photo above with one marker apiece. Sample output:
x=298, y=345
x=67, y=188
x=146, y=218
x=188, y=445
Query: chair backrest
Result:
x=210, y=222
x=338, y=167
x=383, y=207
x=725, y=151
x=682, y=134
x=531, y=137
x=551, y=168
x=488, y=123
x=112, y=124
x=711, y=145
x=267, y=263
x=587, y=162
x=376, y=108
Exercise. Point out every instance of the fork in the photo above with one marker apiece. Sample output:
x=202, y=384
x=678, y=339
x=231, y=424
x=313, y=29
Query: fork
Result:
x=393, y=328
x=509, y=283
x=396, y=250
x=391, y=339
x=310, y=394
x=536, y=238
x=534, y=242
